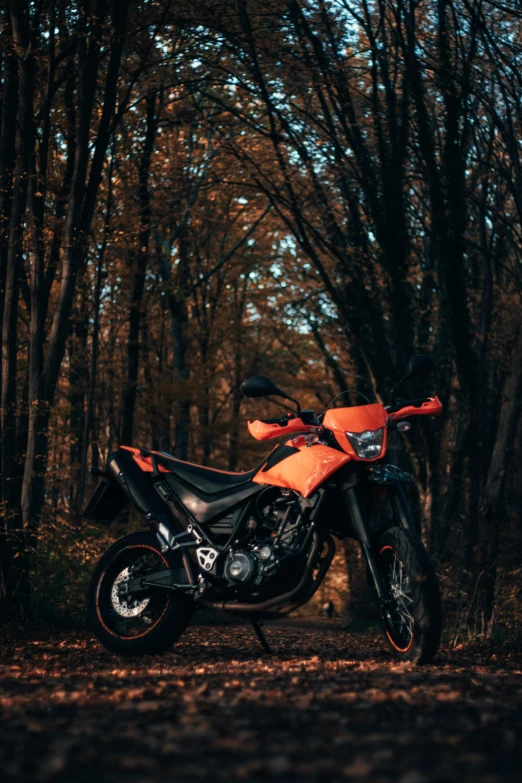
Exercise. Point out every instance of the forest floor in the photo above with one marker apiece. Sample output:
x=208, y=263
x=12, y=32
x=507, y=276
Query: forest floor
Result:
x=331, y=705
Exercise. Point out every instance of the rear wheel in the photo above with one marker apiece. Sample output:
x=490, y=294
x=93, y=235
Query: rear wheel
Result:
x=148, y=622
x=413, y=625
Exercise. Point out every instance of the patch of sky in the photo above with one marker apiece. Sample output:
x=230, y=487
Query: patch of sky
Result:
x=327, y=308
x=342, y=10
x=60, y=139
x=288, y=244
x=253, y=312
x=294, y=157
x=300, y=324
x=312, y=152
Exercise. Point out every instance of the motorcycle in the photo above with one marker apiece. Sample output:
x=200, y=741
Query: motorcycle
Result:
x=259, y=544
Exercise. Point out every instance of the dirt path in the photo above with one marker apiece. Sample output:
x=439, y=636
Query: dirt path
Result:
x=332, y=706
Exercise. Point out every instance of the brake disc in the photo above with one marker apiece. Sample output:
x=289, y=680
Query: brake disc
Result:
x=126, y=605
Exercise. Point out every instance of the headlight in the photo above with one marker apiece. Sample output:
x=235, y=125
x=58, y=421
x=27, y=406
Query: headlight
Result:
x=368, y=444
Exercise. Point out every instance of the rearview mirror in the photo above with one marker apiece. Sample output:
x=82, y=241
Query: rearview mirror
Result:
x=261, y=386
x=419, y=365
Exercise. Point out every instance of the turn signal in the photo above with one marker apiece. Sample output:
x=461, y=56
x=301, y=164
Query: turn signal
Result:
x=302, y=441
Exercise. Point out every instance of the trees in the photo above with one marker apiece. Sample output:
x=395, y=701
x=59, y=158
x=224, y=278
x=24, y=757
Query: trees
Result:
x=313, y=190
x=74, y=70
x=389, y=126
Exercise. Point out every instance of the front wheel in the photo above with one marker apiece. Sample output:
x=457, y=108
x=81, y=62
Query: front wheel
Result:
x=149, y=623
x=412, y=625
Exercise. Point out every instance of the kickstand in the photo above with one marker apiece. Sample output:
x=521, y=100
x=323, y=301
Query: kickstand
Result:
x=262, y=638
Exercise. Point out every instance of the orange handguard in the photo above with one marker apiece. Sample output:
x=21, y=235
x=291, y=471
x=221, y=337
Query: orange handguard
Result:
x=260, y=430
x=433, y=407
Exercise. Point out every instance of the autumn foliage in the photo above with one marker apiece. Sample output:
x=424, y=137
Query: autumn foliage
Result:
x=192, y=193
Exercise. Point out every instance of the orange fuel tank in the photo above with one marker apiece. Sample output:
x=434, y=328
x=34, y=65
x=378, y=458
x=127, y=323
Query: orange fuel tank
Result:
x=304, y=471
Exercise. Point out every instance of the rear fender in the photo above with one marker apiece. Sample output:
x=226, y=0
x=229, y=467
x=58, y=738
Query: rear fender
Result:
x=144, y=462
x=107, y=501
x=139, y=488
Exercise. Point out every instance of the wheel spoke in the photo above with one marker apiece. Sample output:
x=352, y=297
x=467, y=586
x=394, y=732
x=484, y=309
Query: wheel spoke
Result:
x=399, y=584
x=125, y=614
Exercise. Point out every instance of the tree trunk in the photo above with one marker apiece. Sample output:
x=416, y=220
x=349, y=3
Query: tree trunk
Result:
x=18, y=576
x=178, y=326
x=84, y=189
x=492, y=506
x=78, y=387
x=237, y=394
x=89, y=413
x=135, y=313
x=7, y=159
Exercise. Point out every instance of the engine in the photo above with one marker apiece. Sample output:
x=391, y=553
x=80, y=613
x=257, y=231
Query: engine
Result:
x=275, y=533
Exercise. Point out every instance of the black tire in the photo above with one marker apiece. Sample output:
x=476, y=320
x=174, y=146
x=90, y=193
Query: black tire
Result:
x=156, y=621
x=414, y=633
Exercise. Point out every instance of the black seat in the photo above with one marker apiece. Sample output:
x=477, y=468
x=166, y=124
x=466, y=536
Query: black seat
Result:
x=209, y=494
x=208, y=480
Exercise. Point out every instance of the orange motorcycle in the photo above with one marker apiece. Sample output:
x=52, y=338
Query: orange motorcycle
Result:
x=259, y=544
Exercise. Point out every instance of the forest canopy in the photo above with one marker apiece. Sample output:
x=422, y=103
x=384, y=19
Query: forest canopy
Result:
x=192, y=193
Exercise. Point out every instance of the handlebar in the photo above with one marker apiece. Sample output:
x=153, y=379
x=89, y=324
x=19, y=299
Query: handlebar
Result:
x=289, y=423
x=282, y=421
x=399, y=404
x=307, y=417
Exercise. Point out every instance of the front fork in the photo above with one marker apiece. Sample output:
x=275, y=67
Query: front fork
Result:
x=401, y=509
x=357, y=513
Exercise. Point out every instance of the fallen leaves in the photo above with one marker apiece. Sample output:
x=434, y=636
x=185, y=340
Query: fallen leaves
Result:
x=331, y=705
